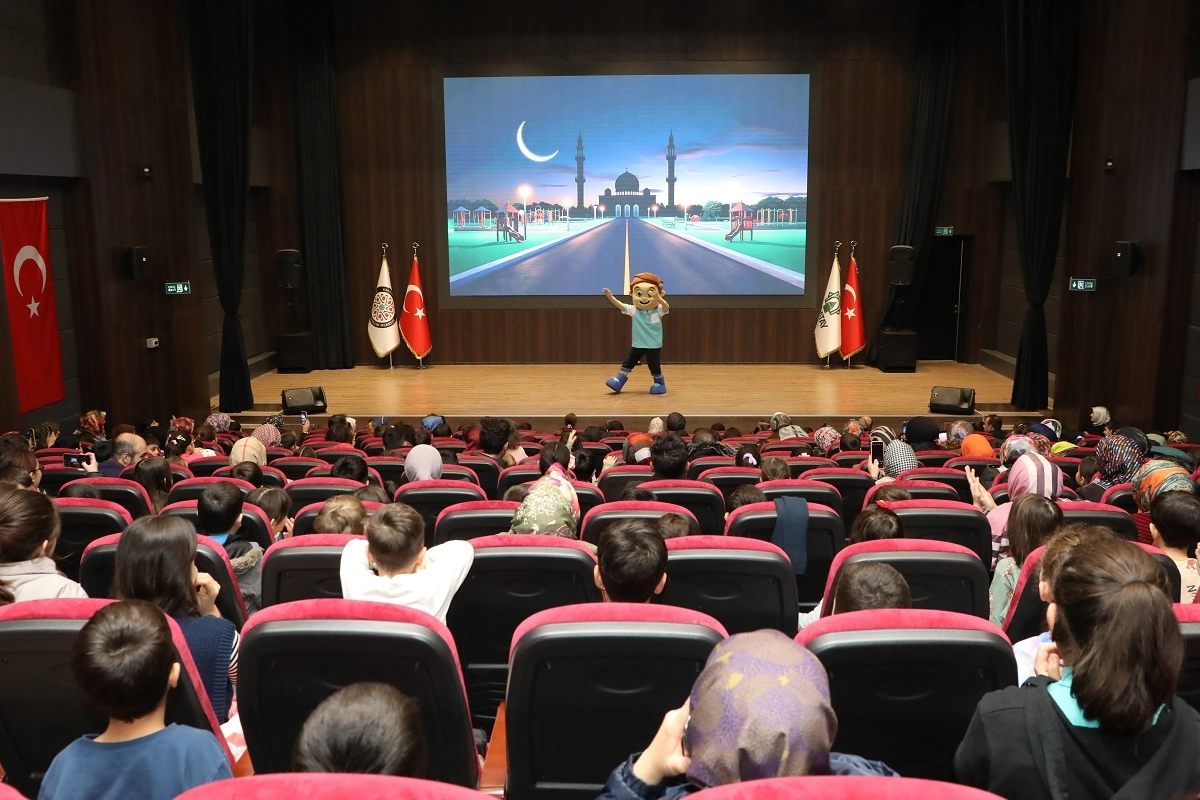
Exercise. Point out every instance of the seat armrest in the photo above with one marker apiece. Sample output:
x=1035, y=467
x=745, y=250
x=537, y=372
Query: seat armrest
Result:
x=495, y=766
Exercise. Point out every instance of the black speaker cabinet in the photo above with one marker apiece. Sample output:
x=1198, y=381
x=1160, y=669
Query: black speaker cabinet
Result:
x=287, y=268
x=311, y=400
x=900, y=265
x=294, y=352
x=952, y=400
x=1125, y=259
x=897, y=351
x=135, y=261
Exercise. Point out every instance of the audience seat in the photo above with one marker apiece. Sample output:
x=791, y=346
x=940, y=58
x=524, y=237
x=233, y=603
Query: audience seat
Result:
x=831, y=787
x=307, y=516
x=850, y=459
x=745, y=584
x=178, y=473
x=473, y=519
x=55, y=477
x=589, y=496
x=1068, y=464
x=130, y=495
x=373, y=476
x=317, y=490
x=256, y=525
x=487, y=470
x=728, y=479
x=295, y=655
x=946, y=521
x=303, y=568
x=271, y=476
x=1100, y=514
x=1189, y=676
x=1121, y=496
x=205, y=467
x=589, y=684
x=800, y=466
x=192, y=488
x=429, y=498
x=852, y=485
x=328, y=786
x=332, y=455
x=614, y=443
x=786, y=449
x=977, y=463
x=515, y=475
x=512, y=577
x=811, y=490
x=98, y=568
x=278, y=452
x=955, y=478
x=941, y=576
x=934, y=458
x=826, y=537
x=83, y=521
x=599, y=450
x=698, y=465
x=42, y=709
x=1026, y=614
x=920, y=490
x=600, y=517
x=905, y=683
x=703, y=499
x=389, y=468
x=459, y=472
x=614, y=479
x=296, y=467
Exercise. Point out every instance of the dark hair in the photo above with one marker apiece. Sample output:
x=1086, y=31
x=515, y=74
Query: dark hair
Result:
x=338, y=430
x=287, y=439
x=177, y=444
x=672, y=526
x=876, y=522
x=703, y=436
x=342, y=513
x=632, y=558
x=1087, y=469
x=554, y=453
x=396, y=535
x=1176, y=517
x=154, y=474
x=393, y=439
x=122, y=659
x=775, y=468
x=26, y=520
x=442, y=430
x=586, y=465
x=351, y=467
x=992, y=423
x=866, y=585
x=676, y=422
x=219, y=508
x=748, y=455
x=718, y=428
x=371, y=493
x=669, y=457
x=849, y=443
x=154, y=563
x=494, y=434
x=516, y=494
x=614, y=425
x=422, y=436
x=1114, y=625
x=235, y=426
x=1032, y=520
x=205, y=433
x=363, y=728
x=13, y=477
x=81, y=489
x=23, y=459
x=634, y=491
x=887, y=493
x=744, y=495
x=592, y=433
x=249, y=472
x=570, y=420
x=731, y=433
x=273, y=500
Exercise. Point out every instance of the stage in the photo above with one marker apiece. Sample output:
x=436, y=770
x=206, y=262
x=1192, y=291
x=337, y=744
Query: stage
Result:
x=736, y=394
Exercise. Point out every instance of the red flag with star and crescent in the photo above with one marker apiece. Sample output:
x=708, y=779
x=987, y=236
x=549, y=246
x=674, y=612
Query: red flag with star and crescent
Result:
x=32, y=313
x=854, y=333
x=414, y=321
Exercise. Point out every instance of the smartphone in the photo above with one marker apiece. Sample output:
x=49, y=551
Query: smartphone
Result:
x=73, y=460
x=303, y=417
x=877, y=451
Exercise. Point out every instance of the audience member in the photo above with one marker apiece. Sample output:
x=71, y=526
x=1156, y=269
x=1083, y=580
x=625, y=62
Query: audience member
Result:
x=921, y=433
x=875, y=522
x=154, y=474
x=890, y=493
x=744, y=495
x=404, y=572
x=278, y=506
x=495, y=439
x=669, y=457
x=632, y=562
x=128, y=449
x=868, y=585
x=517, y=494
x=993, y=426
x=1175, y=529
x=1031, y=522
x=1117, y=458
x=219, y=516
x=550, y=507
x=423, y=463
x=555, y=453
x=1085, y=473
x=639, y=448
x=748, y=455
x=29, y=529
x=782, y=428
x=673, y=526
x=351, y=468
x=80, y=489
x=849, y=443
x=343, y=513
x=1031, y=474
x=587, y=466
x=1151, y=481
x=825, y=440
x=26, y=464
x=250, y=449
x=775, y=468
x=249, y=472
x=635, y=492
x=676, y=423
x=706, y=443
x=898, y=457
x=371, y=494
x=363, y=728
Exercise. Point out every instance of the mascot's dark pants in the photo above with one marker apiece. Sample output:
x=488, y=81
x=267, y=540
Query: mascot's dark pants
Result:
x=636, y=354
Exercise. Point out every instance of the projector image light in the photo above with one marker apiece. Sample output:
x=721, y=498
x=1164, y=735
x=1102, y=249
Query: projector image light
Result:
x=311, y=400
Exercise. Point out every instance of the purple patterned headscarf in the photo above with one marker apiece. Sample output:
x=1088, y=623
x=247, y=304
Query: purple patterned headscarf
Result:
x=1116, y=458
x=825, y=438
x=760, y=709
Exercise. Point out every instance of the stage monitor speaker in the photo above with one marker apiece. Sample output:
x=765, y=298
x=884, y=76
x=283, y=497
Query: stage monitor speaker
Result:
x=897, y=350
x=1125, y=259
x=287, y=268
x=952, y=400
x=136, y=262
x=294, y=352
x=900, y=265
x=311, y=400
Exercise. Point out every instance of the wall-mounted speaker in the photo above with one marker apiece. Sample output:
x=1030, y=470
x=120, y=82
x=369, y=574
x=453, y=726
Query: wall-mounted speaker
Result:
x=952, y=400
x=1125, y=258
x=311, y=400
x=900, y=265
x=135, y=262
x=287, y=268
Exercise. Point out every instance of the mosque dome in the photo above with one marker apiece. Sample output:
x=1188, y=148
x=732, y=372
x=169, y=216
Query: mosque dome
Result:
x=627, y=182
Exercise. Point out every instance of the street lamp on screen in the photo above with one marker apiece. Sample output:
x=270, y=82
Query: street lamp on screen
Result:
x=524, y=191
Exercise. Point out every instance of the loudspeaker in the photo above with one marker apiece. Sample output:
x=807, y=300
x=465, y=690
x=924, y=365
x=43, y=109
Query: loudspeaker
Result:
x=294, y=352
x=897, y=350
x=900, y=265
x=287, y=268
x=311, y=400
x=136, y=262
x=1125, y=258
x=952, y=400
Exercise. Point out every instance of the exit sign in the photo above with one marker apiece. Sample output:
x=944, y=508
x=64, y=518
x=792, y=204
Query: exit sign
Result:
x=948, y=230
x=1082, y=285
x=179, y=287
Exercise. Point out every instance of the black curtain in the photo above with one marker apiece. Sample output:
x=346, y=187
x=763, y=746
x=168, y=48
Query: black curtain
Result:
x=310, y=24
x=222, y=49
x=929, y=140
x=1040, y=40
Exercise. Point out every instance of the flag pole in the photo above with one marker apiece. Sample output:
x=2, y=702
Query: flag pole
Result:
x=853, y=245
x=420, y=360
x=837, y=246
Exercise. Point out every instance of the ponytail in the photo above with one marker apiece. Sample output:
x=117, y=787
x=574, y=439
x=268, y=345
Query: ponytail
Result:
x=26, y=520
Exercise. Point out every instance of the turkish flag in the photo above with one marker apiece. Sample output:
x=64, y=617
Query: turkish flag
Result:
x=854, y=334
x=32, y=314
x=414, y=321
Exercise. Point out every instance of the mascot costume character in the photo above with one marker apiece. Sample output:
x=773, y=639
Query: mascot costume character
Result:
x=647, y=310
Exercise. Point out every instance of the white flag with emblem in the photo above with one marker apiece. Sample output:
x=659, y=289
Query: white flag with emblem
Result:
x=829, y=319
x=382, y=328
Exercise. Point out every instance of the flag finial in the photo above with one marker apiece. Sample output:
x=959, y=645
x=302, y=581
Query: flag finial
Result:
x=385, y=247
x=853, y=245
x=837, y=246
x=415, y=246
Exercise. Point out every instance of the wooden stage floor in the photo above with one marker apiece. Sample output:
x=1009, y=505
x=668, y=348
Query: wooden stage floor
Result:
x=736, y=394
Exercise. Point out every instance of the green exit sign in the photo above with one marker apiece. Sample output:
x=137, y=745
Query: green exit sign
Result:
x=1082, y=285
x=947, y=230
x=179, y=287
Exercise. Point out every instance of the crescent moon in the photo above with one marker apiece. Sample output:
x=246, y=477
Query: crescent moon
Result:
x=525, y=151
x=28, y=253
x=411, y=288
x=850, y=289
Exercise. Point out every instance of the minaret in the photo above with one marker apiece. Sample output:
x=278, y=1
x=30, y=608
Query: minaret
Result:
x=579, y=159
x=671, y=172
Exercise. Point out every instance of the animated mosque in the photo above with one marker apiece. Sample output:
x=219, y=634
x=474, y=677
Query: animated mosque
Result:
x=626, y=201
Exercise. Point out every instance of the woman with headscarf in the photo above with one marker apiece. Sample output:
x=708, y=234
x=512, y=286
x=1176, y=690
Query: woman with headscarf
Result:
x=220, y=422
x=921, y=433
x=1031, y=474
x=1100, y=420
x=1152, y=480
x=760, y=709
x=976, y=445
x=267, y=434
x=781, y=425
x=898, y=457
x=1117, y=458
x=92, y=423
x=958, y=431
x=551, y=507
x=423, y=463
x=825, y=439
x=249, y=449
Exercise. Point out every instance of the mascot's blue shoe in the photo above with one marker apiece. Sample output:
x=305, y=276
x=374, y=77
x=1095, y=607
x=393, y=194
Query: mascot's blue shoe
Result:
x=617, y=382
x=660, y=385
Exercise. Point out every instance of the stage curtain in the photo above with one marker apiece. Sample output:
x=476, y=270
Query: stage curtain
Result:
x=310, y=25
x=222, y=50
x=928, y=143
x=1040, y=40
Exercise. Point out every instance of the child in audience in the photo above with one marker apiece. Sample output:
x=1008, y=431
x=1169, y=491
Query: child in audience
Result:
x=632, y=562
x=278, y=506
x=516, y=494
x=869, y=585
x=748, y=455
x=343, y=513
x=154, y=474
x=219, y=516
x=744, y=495
x=29, y=528
x=363, y=728
x=1031, y=523
x=672, y=526
x=887, y=493
x=1175, y=528
x=393, y=565
x=249, y=472
x=775, y=468
x=634, y=492
x=876, y=522
x=124, y=663
x=371, y=494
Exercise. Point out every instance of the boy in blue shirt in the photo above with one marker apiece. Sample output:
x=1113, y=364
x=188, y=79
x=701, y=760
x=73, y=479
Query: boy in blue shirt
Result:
x=124, y=663
x=647, y=310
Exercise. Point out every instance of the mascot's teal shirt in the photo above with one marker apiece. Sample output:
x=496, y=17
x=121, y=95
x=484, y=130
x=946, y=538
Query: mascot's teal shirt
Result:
x=647, y=327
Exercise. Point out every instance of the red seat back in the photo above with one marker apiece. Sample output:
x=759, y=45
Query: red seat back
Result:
x=83, y=521
x=703, y=499
x=946, y=521
x=614, y=479
x=129, y=494
x=600, y=517
x=473, y=519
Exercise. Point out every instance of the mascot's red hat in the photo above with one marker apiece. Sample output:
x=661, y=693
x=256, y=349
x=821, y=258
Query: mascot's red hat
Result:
x=645, y=277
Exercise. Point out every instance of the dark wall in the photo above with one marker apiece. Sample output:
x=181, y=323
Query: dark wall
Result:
x=1011, y=296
